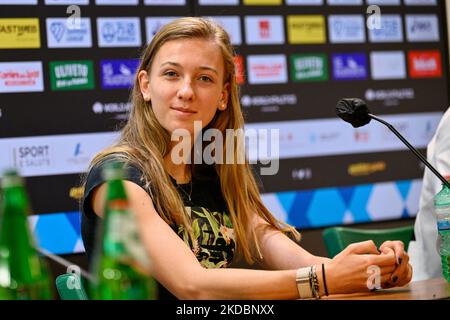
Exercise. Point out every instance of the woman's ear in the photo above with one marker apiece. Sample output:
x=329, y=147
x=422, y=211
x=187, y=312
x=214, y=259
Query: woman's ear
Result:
x=144, y=84
x=223, y=104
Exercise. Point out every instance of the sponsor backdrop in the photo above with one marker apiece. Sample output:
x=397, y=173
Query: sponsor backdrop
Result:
x=66, y=68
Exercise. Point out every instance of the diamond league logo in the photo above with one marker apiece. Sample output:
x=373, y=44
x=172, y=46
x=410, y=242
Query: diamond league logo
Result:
x=57, y=29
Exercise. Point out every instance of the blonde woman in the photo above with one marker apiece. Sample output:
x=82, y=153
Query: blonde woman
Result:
x=198, y=220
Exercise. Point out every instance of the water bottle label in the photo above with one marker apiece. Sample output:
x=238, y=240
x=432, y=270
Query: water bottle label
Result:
x=443, y=225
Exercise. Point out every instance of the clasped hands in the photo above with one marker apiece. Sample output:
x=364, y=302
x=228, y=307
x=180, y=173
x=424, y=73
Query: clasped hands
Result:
x=350, y=269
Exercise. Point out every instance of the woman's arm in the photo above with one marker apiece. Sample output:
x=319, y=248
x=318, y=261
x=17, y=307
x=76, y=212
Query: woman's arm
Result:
x=176, y=267
x=279, y=252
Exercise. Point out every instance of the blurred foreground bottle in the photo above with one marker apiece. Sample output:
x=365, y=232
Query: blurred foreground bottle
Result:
x=121, y=265
x=23, y=273
x=442, y=207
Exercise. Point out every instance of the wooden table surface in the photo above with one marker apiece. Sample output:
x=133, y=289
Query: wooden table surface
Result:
x=431, y=289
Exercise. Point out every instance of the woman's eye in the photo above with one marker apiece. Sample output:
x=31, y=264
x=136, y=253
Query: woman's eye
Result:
x=206, y=79
x=170, y=73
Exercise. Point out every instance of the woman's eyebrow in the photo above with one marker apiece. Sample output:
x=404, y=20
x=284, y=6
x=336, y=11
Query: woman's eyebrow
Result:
x=176, y=64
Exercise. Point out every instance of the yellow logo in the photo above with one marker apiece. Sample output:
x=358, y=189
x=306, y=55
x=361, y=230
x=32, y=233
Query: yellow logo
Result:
x=366, y=168
x=262, y=2
x=306, y=29
x=76, y=193
x=19, y=33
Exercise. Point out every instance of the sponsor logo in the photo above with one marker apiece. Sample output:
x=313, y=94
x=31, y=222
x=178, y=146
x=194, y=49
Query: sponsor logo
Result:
x=59, y=35
x=153, y=24
x=302, y=174
x=390, y=96
x=344, y=2
x=240, y=70
x=165, y=2
x=218, y=2
x=305, y=2
x=384, y=2
x=425, y=64
x=262, y=2
x=361, y=136
x=32, y=156
x=117, y=2
x=306, y=29
x=71, y=75
x=118, y=32
x=422, y=28
x=388, y=65
x=261, y=101
x=66, y=2
x=21, y=76
x=349, y=66
x=232, y=26
x=76, y=193
x=309, y=67
x=318, y=137
x=264, y=69
x=264, y=30
x=111, y=107
x=79, y=157
x=19, y=33
x=17, y=2
x=366, y=168
x=390, y=31
x=420, y=2
x=346, y=28
x=118, y=74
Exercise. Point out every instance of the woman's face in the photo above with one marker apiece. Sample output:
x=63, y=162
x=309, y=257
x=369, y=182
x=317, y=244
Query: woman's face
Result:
x=185, y=83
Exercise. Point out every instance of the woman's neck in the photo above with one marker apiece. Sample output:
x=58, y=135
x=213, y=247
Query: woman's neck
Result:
x=180, y=172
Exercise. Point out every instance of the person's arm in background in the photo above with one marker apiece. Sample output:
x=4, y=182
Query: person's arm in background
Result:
x=423, y=252
x=175, y=266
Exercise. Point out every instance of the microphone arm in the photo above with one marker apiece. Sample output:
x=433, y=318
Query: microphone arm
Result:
x=414, y=150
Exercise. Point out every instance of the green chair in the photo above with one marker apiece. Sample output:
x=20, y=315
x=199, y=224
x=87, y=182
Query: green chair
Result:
x=70, y=287
x=337, y=238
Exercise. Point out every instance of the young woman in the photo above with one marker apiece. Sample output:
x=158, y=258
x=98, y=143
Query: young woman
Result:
x=198, y=220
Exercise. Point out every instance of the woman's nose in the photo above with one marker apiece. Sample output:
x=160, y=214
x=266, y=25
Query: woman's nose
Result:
x=186, y=91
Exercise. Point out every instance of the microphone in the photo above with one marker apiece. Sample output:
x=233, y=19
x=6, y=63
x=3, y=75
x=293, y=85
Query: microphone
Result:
x=356, y=112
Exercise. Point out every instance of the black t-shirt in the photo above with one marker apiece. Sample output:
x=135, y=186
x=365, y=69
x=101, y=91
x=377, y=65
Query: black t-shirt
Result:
x=215, y=243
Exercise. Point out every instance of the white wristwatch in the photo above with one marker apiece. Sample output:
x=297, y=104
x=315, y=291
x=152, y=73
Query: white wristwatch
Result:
x=303, y=281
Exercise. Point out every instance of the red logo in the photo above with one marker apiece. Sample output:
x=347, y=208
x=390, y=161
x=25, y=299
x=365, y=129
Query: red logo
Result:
x=264, y=29
x=425, y=64
x=239, y=65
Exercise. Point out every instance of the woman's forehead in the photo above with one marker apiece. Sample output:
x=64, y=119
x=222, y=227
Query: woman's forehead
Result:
x=190, y=51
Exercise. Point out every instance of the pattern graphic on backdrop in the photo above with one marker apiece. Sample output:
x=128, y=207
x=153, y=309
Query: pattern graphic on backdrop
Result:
x=60, y=233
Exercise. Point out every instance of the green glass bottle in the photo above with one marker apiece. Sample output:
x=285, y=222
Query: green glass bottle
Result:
x=24, y=274
x=121, y=265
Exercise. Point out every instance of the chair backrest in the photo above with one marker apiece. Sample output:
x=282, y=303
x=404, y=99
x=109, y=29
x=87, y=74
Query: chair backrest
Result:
x=337, y=238
x=70, y=287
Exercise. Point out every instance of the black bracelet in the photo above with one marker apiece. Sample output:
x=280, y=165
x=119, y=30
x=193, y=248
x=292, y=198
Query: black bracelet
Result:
x=324, y=279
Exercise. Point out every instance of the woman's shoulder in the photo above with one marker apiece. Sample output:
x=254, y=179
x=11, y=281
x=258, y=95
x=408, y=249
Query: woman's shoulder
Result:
x=132, y=171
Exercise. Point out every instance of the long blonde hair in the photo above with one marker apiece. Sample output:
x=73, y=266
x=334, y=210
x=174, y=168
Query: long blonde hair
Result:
x=144, y=142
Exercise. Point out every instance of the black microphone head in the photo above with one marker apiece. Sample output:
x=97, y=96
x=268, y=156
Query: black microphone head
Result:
x=354, y=111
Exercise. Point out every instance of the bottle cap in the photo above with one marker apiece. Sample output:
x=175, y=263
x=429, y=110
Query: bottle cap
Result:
x=11, y=178
x=113, y=171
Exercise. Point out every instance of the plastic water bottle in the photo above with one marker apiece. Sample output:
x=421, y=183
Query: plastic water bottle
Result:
x=442, y=207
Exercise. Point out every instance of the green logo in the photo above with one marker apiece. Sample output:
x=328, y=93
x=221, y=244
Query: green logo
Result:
x=309, y=67
x=71, y=75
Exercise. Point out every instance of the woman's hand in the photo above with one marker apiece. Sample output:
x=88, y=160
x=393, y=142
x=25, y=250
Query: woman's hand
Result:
x=403, y=271
x=349, y=271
